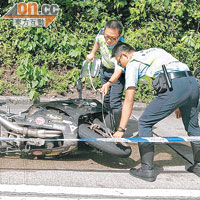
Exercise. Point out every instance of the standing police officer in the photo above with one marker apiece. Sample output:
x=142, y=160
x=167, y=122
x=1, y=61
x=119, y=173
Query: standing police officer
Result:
x=183, y=93
x=106, y=39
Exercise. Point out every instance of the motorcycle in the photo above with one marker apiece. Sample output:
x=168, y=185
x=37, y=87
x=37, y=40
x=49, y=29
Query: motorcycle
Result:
x=49, y=129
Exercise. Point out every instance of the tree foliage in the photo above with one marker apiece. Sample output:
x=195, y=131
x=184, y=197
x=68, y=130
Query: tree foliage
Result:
x=50, y=58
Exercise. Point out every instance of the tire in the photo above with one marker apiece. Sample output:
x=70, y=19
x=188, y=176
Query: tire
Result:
x=108, y=147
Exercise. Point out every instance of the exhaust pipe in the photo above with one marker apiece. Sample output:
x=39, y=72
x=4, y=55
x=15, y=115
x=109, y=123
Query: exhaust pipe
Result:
x=30, y=132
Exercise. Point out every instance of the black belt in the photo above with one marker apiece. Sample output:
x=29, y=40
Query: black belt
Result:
x=107, y=69
x=181, y=74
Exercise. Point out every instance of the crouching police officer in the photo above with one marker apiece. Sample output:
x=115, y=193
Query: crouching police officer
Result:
x=181, y=92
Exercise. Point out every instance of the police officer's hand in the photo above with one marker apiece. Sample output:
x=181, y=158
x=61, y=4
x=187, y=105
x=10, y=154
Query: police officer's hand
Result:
x=118, y=134
x=105, y=88
x=90, y=57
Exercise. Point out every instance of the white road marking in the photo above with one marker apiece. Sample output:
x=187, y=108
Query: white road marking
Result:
x=59, y=192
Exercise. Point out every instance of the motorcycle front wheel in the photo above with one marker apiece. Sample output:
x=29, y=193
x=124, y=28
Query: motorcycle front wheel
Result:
x=117, y=149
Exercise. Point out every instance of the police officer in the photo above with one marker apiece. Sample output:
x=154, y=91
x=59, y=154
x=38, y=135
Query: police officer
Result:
x=183, y=94
x=106, y=39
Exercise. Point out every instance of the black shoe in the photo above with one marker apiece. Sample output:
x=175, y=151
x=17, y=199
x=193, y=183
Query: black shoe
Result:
x=144, y=174
x=195, y=169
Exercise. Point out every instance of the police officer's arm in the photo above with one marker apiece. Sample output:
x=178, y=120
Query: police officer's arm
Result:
x=90, y=57
x=126, y=111
x=112, y=80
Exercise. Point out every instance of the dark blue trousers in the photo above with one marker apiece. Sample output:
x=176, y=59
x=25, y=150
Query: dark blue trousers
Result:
x=185, y=95
x=114, y=96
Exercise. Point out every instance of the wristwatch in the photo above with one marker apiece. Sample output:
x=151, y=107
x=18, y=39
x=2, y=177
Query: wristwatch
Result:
x=120, y=129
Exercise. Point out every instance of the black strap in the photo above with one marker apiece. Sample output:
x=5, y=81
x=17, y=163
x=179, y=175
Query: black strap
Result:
x=107, y=69
x=181, y=74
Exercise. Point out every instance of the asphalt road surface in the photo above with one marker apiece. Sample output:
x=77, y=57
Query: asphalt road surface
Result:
x=90, y=174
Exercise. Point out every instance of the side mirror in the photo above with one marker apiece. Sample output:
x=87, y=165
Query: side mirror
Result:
x=79, y=88
x=90, y=68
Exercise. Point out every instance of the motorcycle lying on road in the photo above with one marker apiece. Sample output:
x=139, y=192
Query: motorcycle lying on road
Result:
x=48, y=128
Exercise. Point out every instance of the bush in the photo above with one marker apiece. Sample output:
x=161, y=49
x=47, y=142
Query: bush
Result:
x=60, y=49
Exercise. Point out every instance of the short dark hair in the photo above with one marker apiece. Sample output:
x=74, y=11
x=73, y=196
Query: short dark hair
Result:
x=121, y=47
x=114, y=24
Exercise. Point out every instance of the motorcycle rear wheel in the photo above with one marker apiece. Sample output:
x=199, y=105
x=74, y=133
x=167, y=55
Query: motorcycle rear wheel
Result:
x=117, y=149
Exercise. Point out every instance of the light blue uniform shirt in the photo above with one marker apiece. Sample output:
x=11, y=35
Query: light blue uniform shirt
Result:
x=148, y=63
x=106, y=51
